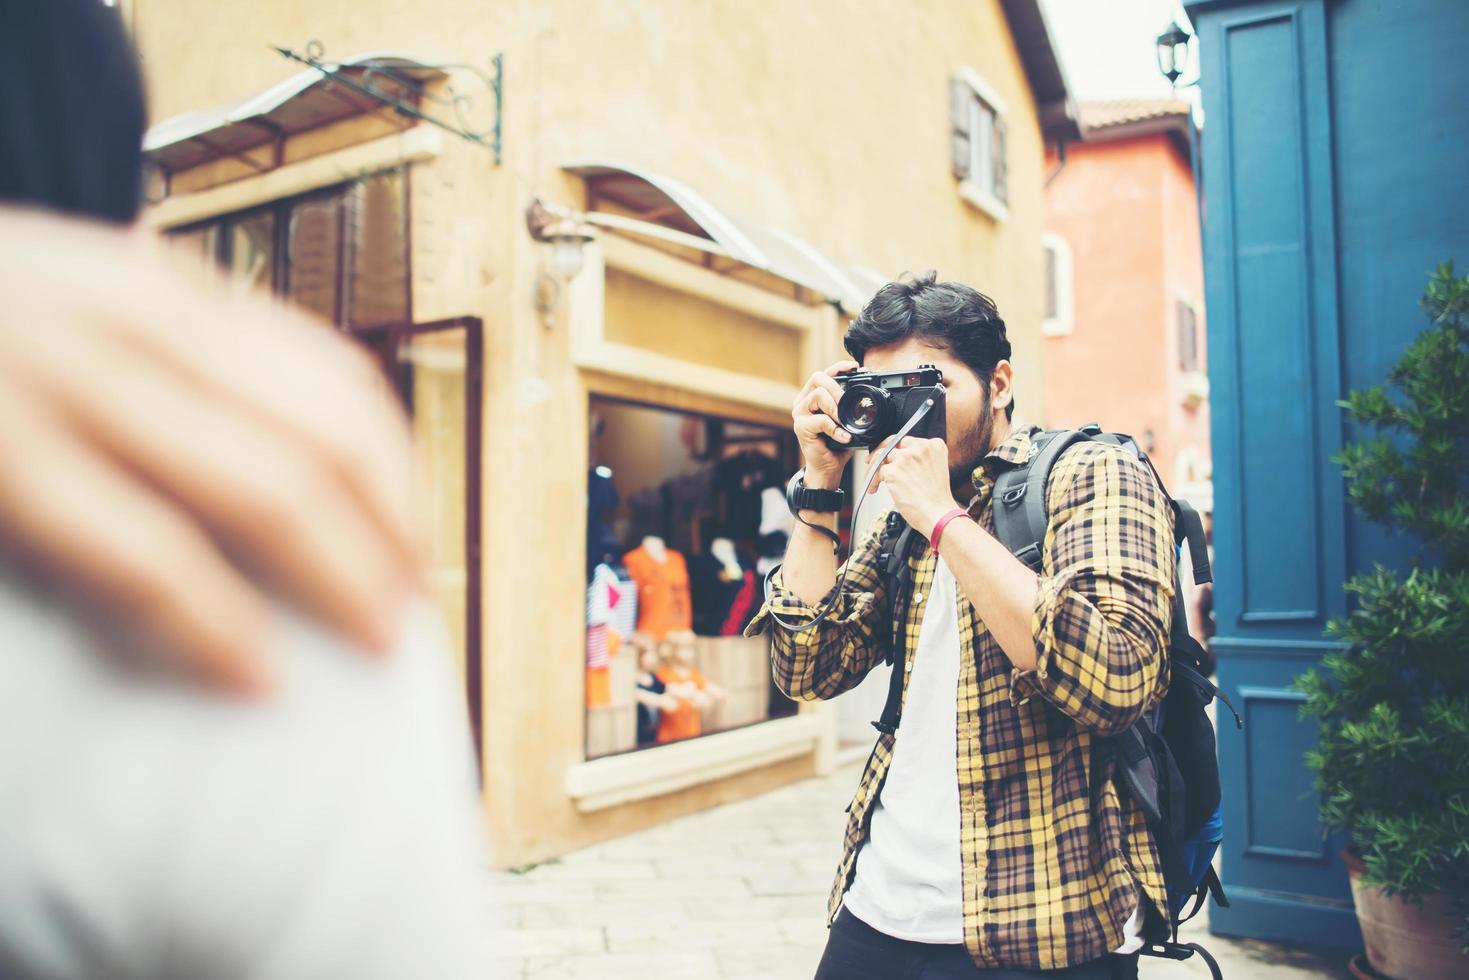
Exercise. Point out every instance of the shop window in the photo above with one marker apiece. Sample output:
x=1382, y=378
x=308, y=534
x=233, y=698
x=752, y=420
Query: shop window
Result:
x=341, y=253
x=686, y=517
x=980, y=144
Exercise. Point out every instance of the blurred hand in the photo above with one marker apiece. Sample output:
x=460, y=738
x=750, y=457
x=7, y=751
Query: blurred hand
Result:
x=172, y=455
x=814, y=414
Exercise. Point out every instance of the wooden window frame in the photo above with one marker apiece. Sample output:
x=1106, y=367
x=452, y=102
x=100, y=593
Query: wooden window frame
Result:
x=1062, y=322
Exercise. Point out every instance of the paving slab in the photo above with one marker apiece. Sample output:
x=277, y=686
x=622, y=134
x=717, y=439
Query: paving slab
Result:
x=739, y=893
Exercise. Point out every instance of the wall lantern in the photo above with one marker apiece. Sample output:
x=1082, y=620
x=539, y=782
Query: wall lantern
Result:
x=568, y=236
x=1173, y=52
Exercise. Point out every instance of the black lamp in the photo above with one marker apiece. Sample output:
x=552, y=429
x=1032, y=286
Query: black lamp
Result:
x=1173, y=52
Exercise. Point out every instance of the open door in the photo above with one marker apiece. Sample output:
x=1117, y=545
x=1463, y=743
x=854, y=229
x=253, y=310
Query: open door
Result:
x=436, y=368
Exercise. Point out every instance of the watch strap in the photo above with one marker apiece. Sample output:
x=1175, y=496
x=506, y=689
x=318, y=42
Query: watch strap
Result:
x=800, y=497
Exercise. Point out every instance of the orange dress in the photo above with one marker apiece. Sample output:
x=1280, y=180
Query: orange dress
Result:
x=663, y=592
x=685, y=721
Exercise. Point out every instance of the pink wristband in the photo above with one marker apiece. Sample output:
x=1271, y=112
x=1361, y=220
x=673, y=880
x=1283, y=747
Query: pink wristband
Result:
x=938, y=529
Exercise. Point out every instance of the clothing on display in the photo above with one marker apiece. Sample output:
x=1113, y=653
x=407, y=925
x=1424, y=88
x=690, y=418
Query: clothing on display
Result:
x=742, y=609
x=775, y=513
x=602, y=499
x=610, y=603
x=686, y=721
x=739, y=482
x=692, y=535
x=599, y=686
x=624, y=621
x=612, y=600
x=648, y=715
x=664, y=603
x=605, y=595
x=715, y=591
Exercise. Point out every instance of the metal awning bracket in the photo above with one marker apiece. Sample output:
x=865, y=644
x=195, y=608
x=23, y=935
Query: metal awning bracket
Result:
x=461, y=103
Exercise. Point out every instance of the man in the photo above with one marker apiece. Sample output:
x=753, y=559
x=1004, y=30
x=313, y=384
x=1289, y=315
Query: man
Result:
x=987, y=837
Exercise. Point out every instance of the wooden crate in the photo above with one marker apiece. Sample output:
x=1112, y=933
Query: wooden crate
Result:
x=613, y=728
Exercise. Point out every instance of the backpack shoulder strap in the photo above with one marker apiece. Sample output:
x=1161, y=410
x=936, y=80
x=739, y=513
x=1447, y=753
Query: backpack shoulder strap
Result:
x=893, y=559
x=1020, y=496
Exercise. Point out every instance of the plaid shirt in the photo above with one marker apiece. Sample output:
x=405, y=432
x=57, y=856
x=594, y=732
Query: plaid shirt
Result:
x=1053, y=857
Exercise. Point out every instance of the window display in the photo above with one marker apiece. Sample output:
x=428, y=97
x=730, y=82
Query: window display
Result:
x=681, y=530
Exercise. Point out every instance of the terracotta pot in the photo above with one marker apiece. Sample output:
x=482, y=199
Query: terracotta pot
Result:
x=1404, y=941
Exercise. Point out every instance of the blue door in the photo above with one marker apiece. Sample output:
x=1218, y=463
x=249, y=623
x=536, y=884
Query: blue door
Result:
x=1333, y=147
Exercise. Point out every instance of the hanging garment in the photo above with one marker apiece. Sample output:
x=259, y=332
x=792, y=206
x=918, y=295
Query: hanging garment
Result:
x=599, y=687
x=624, y=621
x=775, y=513
x=602, y=498
x=714, y=593
x=664, y=605
x=647, y=714
x=685, y=721
x=740, y=482
x=742, y=609
x=604, y=596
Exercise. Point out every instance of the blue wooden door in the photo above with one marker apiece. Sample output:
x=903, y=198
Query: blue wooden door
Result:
x=1334, y=138
x=1278, y=507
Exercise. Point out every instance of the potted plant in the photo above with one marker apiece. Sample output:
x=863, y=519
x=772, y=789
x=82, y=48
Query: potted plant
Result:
x=1393, y=703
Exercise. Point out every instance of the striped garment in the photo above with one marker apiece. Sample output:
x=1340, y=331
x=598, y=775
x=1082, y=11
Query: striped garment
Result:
x=1053, y=857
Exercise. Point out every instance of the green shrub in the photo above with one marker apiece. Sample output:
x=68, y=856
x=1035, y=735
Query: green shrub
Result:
x=1393, y=703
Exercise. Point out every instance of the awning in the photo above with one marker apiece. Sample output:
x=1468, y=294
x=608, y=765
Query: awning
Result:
x=671, y=203
x=304, y=101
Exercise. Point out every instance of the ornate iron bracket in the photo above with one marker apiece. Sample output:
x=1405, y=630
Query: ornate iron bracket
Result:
x=457, y=101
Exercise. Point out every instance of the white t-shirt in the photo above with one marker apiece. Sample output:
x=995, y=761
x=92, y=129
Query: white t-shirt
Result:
x=909, y=882
x=149, y=828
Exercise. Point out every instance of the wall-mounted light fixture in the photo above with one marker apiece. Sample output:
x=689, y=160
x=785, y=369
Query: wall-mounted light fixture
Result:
x=567, y=235
x=1173, y=52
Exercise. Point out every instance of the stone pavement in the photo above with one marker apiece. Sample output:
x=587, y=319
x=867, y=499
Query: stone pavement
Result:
x=739, y=892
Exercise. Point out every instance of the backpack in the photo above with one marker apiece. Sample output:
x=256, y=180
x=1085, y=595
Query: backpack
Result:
x=1167, y=759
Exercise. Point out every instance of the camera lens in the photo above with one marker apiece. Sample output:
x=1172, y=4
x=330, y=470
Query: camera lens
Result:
x=864, y=410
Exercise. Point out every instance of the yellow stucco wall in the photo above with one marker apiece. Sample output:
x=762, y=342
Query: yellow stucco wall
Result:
x=828, y=119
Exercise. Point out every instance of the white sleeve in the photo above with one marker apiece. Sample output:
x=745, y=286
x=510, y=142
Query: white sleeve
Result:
x=151, y=829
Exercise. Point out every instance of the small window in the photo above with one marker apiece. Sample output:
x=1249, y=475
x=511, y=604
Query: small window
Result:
x=980, y=155
x=1058, y=310
x=1187, y=319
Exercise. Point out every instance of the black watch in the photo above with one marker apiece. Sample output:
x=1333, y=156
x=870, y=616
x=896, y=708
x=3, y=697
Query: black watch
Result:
x=800, y=497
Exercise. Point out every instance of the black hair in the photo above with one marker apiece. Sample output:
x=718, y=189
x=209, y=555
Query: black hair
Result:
x=951, y=315
x=72, y=110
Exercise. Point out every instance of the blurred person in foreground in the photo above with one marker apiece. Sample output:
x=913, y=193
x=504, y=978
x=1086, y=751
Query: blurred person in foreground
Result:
x=230, y=741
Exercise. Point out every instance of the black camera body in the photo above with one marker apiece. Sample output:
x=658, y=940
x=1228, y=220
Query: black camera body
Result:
x=875, y=405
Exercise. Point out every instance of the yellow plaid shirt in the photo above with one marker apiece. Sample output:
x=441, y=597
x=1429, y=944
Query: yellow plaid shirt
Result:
x=1053, y=857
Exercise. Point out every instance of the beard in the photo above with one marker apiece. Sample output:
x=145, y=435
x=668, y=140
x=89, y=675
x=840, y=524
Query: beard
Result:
x=967, y=446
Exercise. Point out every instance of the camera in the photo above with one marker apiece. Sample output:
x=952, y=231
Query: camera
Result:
x=875, y=405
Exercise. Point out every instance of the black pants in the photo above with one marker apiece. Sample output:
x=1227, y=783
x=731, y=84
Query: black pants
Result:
x=856, y=951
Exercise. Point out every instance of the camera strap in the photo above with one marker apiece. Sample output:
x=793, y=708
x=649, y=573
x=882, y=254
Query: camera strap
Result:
x=836, y=593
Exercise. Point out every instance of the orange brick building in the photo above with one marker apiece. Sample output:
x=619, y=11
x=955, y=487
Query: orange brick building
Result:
x=1124, y=306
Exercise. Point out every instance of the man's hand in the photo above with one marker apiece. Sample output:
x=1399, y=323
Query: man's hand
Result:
x=916, y=474
x=172, y=455
x=814, y=414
